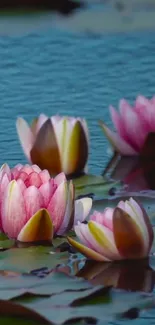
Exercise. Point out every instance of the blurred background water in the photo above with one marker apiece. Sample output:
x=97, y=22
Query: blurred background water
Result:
x=58, y=72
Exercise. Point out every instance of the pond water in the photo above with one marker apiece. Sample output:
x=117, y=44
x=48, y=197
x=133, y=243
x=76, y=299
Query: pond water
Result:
x=61, y=72
x=80, y=75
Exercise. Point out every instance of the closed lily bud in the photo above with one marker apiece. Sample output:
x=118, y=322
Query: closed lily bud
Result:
x=34, y=206
x=124, y=232
x=132, y=124
x=58, y=144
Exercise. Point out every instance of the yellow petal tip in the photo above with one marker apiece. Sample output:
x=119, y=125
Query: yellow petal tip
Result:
x=38, y=228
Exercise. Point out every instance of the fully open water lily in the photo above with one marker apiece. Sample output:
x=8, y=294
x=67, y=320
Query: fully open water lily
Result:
x=33, y=205
x=133, y=124
x=121, y=233
x=56, y=144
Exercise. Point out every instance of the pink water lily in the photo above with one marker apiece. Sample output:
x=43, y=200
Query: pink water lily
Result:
x=132, y=124
x=33, y=205
x=118, y=233
x=58, y=144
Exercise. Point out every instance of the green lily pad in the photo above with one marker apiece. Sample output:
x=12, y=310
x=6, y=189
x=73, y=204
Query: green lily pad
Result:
x=27, y=259
x=96, y=185
x=117, y=304
x=54, y=283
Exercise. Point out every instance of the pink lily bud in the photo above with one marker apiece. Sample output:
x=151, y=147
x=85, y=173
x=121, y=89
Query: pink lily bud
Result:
x=34, y=206
x=116, y=234
x=132, y=124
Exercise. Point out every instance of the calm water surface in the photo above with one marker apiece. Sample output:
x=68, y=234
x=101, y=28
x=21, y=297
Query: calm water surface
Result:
x=58, y=72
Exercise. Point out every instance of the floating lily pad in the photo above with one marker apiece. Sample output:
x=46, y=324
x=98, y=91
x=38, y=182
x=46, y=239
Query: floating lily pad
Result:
x=95, y=186
x=27, y=259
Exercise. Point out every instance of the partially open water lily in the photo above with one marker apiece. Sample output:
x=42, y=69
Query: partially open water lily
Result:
x=124, y=232
x=56, y=143
x=34, y=206
x=132, y=124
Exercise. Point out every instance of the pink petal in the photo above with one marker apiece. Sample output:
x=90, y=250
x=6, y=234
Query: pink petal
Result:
x=33, y=179
x=141, y=101
x=117, y=142
x=5, y=169
x=145, y=109
x=82, y=209
x=36, y=168
x=60, y=178
x=21, y=185
x=28, y=169
x=57, y=205
x=134, y=127
x=121, y=205
x=25, y=136
x=68, y=219
x=44, y=176
x=22, y=175
x=118, y=123
x=33, y=201
x=47, y=190
x=13, y=210
x=105, y=218
x=16, y=170
x=3, y=185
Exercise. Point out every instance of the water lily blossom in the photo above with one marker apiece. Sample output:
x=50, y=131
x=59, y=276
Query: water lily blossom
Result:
x=132, y=124
x=58, y=144
x=118, y=233
x=34, y=206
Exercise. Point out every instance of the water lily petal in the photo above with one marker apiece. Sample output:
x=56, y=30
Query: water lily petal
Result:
x=40, y=121
x=82, y=209
x=127, y=234
x=87, y=251
x=60, y=178
x=33, y=201
x=68, y=219
x=145, y=109
x=13, y=210
x=84, y=234
x=38, y=228
x=26, y=136
x=135, y=212
x=45, y=151
x=16, y=170
x=134, y=126
x=118, y=123
x=3, y=185
x=145, y=223
x=57, y=205
x=33, y=179
x=105, y=218
x=76, y=149
x=117, y=142
x=28, y=169
x=5, y=169
x=47, y=190
x=44, y=176
x=105, y=239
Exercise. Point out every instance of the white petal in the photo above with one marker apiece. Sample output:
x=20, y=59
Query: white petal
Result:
x=82, y=209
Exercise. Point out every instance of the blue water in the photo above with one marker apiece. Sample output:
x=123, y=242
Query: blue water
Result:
x=59, y=72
